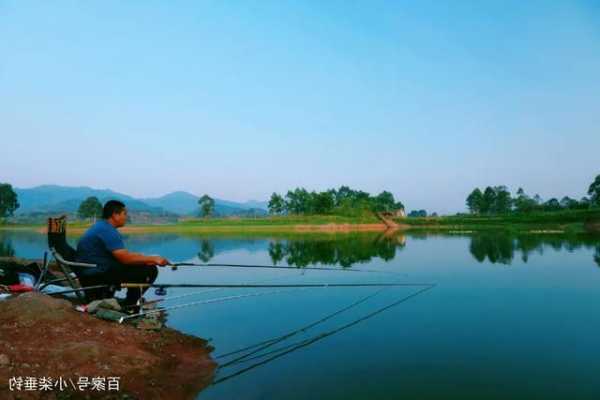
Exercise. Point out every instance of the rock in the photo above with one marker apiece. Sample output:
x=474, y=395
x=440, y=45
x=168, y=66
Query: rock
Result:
x=148, y=324
x=110, y=315
x=4, y=361
x=108, y=304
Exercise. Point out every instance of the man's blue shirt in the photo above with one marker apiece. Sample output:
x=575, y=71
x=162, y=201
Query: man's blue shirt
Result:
x=98, y=243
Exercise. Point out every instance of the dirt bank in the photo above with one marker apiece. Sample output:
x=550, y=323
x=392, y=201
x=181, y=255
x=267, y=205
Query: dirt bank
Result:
x=45, y=337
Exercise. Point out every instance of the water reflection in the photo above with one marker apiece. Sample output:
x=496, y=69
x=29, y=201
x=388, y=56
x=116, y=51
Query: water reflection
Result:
x=500, y=248
x=207, y=251
x=301, y=251
x=344, y=251
x=6, y=248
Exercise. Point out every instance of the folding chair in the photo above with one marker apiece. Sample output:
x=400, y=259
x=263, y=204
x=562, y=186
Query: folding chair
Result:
x=64, y=254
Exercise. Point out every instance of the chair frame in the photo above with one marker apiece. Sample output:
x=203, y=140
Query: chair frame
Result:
x=64, y=265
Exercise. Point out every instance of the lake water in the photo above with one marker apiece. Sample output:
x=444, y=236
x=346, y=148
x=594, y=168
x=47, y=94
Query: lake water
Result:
x=508, y=317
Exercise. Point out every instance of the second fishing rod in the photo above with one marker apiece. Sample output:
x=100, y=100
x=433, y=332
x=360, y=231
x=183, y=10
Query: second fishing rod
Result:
x=282, y=267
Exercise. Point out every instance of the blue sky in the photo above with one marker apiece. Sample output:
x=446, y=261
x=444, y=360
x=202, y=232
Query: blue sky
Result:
x=240, y=99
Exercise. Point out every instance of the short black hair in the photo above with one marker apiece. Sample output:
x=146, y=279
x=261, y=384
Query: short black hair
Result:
x=111, y=207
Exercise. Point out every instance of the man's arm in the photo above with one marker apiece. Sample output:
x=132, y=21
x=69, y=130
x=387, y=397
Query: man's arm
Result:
x=126, y=257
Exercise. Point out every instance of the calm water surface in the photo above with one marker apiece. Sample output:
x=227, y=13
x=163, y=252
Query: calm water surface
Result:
x=509, y=316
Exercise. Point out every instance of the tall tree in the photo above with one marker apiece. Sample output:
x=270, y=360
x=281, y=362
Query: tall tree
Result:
x=568, y=203
x=90, y=208
x=323, y=203
x=503, y=201
x=343, y=194
x=552, y=205
x=584, y=203
x=207, y=206
x=384, y=201
x=489, y=200
x=276, y=204
x=474, y=201
x=298, y=201
x=594, y=191
x=8, y=200
x=524, y=203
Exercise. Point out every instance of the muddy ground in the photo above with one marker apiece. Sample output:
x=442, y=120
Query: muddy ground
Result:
x=41, y=336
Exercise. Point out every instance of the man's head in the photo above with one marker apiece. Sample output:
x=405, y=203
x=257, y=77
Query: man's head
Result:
x=114, y=212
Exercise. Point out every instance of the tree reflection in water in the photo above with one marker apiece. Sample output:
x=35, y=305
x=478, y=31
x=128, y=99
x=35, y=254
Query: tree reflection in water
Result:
x=500, y=248
x=345, y=250
x=207, y=250
x=6, y=249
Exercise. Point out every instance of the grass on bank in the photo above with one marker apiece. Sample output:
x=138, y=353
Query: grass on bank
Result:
x=282, y=220
x=569, y=220
x=224, y=225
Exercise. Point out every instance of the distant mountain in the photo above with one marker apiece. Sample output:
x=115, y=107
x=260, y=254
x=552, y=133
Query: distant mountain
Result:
x=54, y=198
x=181, y=203
x=263, y=205
x=184, y=203
x=64, y=199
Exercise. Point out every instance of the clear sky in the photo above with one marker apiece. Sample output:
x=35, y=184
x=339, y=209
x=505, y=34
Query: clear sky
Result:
x=426, y=99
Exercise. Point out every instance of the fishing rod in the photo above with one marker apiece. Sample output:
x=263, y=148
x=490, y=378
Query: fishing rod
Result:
x=307, y=342
x=196, y=303
x=81, y=289
x=20, y=288
x=141, y=302
x=188, y=264
x=245, y=286
x=270, y=342
x=296, y=345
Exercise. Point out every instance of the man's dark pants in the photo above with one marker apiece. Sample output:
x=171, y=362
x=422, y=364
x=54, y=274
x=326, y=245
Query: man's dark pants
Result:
x=115, y=274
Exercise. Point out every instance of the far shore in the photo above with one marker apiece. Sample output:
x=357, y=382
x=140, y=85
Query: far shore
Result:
x=572, y=221
x=178, y=228
x=241, y=227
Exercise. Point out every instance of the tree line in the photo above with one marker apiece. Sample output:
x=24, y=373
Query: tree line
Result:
x=342, y=201
x=498, y=200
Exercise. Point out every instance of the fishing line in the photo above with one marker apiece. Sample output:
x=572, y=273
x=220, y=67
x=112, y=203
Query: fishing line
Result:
x=323, y=335
x=270, y=342
x=170, y=298
x=195, y=303
x=290, y=285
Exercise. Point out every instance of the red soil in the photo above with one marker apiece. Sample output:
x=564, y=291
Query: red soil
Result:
x=41, y=336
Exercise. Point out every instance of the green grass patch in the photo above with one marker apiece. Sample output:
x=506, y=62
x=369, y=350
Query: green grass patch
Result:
x=568, y=220
x=282, y=220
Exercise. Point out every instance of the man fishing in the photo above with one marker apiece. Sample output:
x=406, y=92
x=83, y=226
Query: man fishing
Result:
x=103, y=246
